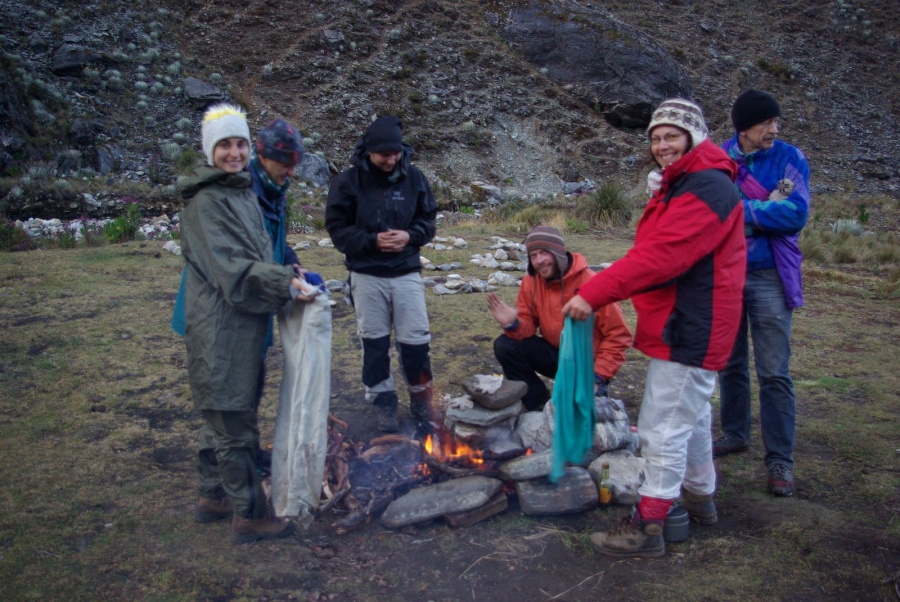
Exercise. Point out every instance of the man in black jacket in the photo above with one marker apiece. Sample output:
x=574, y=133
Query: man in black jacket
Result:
x=380, y=212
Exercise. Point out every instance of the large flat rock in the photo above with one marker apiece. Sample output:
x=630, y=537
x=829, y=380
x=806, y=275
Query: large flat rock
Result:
x=454, y=496
x=574, y=492
x=509, y=393
x=481, y=416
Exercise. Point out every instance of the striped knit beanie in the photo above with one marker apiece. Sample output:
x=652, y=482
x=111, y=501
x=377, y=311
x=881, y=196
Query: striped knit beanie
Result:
x=280, y=141
x=548, y=238
x=682, y=114
x=219, y=122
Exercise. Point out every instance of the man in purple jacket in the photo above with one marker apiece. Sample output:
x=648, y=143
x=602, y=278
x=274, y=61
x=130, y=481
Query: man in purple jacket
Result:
x=773, y=178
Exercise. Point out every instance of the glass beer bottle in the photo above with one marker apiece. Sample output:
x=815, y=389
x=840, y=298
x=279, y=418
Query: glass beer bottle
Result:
x=605, y=486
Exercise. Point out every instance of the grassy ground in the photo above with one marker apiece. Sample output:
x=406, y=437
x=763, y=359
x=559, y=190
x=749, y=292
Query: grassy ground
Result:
x=97, y=432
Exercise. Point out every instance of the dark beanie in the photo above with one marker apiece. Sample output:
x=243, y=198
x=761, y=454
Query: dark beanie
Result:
x=384, y=135
x=548, y=238
x=280, y=141
x=753, y=107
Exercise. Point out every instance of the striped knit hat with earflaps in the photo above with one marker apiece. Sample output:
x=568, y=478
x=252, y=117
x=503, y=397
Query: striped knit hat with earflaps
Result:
x=219, y=122
x=682, y=114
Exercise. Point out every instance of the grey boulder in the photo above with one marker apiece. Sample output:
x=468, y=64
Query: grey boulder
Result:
x=574, y=492
x=432, y=501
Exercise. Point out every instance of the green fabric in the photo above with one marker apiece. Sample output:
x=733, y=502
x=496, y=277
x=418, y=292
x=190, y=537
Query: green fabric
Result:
x=226, y=462
x=573, y=396
x=231, y=286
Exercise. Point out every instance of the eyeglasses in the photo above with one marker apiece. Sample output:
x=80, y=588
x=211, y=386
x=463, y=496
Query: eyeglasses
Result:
x=670, y=138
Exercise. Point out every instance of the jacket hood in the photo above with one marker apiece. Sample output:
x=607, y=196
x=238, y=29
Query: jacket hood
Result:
x=705, y=155
x=205, y=175
x=361, y=152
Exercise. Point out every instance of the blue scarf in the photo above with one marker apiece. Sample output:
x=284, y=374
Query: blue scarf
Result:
x=272, y=200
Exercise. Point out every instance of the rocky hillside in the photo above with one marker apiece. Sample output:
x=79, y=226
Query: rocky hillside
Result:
x=532, y=97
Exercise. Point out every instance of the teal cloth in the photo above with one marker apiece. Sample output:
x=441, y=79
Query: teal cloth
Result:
x=573, y=396
x=178, y=310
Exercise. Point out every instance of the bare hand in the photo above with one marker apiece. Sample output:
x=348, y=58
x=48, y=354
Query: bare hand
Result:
x=577, y=308
x=392, y=241
x=502, y=312
x=300, y=285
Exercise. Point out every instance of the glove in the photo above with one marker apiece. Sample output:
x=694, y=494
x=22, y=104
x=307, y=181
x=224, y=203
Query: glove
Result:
x=316, y=280
x=601, y=386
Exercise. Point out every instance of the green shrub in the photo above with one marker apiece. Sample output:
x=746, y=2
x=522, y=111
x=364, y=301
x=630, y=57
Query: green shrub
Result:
x=14, y=239
x=850, y=226
x=188, y=160
x=171, y=151
x=607, y=206
x=124, y=227
x=887, y=254
x=846, y=251
x=812, y=246
x=576, y=226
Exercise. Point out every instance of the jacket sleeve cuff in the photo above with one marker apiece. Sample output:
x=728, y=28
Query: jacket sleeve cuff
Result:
x=513, y=326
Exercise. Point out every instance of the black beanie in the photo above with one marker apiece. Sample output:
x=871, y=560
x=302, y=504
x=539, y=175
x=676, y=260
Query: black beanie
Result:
x=384, y=135
x=753, y=107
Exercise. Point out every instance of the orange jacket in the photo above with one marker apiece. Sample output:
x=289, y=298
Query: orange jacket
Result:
x=540, y=308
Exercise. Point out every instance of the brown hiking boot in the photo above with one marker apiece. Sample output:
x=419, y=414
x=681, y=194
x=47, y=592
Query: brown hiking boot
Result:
x=387, y=412
x=427, y=418
x=248, y=530
x=632, y=537
x=208, y=510
x=701, y=508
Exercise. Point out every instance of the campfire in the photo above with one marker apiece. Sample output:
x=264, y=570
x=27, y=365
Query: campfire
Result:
x=362, y=479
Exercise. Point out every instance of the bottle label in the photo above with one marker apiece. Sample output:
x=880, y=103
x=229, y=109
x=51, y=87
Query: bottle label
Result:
x=605, y=495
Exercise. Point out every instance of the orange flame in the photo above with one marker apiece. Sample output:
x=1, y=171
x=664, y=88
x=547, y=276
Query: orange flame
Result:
x=448, y=448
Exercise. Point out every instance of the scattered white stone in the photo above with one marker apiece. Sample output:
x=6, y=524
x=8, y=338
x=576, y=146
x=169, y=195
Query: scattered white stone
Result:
x=326, y=242
x=460, y=244
x=302, y=246
x=489, y=263
x=508, y=266
x=440, y=247
x=172, y=247
x=501, y=255
x=502, y=279
x=440, y=289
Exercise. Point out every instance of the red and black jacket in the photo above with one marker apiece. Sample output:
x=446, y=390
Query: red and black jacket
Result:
x=685, y=272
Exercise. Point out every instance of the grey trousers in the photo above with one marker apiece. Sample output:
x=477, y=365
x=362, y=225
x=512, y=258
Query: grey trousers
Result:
x=398, y=304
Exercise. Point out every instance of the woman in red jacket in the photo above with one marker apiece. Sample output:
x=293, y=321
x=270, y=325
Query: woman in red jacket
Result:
x=685, y=274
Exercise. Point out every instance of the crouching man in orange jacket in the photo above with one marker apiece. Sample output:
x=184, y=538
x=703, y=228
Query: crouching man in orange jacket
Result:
x=554, y=277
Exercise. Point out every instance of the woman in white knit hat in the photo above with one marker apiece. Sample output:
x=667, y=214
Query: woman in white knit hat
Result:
x=231, y=286
x=684, y=274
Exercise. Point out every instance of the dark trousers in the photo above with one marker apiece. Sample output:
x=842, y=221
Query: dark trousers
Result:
x=524, y=360
x=226, y=461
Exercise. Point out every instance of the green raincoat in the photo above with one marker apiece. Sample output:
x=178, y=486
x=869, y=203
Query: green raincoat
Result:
x=231, y=287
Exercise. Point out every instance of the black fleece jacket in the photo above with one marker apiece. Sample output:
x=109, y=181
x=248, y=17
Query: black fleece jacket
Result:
x=363, y=201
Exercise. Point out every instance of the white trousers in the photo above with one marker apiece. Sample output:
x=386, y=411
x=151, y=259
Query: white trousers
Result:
x=675, y=429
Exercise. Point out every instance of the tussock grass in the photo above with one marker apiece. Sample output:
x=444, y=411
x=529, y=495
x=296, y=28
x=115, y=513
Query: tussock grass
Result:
x=608, y=207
